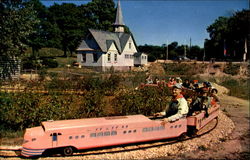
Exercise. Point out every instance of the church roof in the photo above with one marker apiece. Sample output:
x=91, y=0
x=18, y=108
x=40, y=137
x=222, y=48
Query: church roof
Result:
x=103, y=40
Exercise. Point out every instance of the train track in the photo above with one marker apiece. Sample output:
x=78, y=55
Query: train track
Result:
x=11, y=153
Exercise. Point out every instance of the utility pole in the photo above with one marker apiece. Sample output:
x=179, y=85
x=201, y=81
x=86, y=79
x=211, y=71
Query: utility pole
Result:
x=204, y=53
x=190, y=46
x=245, y=49
x=167, y=51
x=185, y=49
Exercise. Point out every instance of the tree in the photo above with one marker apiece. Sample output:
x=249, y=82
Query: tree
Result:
x=228, y=33
x=196, y=53
x=17, y=21
x=66, y=17
x=38, y=39
x=102, y=12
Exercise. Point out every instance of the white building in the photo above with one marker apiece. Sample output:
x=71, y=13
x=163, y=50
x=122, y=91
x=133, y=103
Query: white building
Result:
x=103, y=49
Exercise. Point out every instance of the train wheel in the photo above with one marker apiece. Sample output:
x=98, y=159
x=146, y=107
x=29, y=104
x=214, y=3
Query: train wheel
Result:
x=68, y=151
x=192, y=132
x=182, y=137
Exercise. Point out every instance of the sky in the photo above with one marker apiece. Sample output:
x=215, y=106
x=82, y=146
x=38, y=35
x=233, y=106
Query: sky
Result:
x=157, y=22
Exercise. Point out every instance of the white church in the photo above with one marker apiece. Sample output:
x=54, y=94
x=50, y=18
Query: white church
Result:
x=103, y=49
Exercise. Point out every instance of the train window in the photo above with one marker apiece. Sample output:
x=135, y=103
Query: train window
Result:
x=76, y=137
x=156, y=128
x=124, y=132
x=144, y=130
x=162, y=128
x=54, y=137
x=113, y=133
x=126, y=126
x=134, y=130
x=175, y=126
x=150, y=129
x=33, y=139
x=92, y=134
x=59, y=134
x=107, y=133
x=122, y=126
x=100, y=129
x=82, y=136
x=129, y=131
x=180, y=126
x=70, y=137
x=99, y=134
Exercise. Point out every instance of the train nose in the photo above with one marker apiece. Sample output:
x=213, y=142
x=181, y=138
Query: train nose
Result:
x=26, y=152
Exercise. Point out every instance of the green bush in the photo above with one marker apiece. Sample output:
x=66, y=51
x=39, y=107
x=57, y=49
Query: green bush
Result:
x=237, y=87
x=50, y=63
x=183, y=68
x=145, y=101
x=31, y=63
x=22, y=110
x=232, y=69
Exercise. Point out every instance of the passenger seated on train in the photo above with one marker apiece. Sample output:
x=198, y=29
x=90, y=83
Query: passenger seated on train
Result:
x=149, y=80
x=178, y=107
x=178, y=80
x=213, y=95
x=171, y=82
x=156, y=80
x=186, y=83
x=202, y=102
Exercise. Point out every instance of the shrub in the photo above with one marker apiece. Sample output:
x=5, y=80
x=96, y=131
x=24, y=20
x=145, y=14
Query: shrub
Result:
x=232, y=69
x=30, y=63
x=22, y=110
x=50, y=63
x=183, y=68
x=145, y=101
x=238, y=87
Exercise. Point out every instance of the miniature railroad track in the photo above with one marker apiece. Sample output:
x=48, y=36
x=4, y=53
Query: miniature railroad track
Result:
x=11, y=153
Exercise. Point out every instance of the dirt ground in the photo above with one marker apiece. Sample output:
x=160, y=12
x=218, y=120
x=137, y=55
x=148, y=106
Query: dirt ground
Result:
x=235, y=146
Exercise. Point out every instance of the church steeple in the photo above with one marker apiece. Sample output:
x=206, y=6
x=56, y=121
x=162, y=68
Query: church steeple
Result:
x=119, y=25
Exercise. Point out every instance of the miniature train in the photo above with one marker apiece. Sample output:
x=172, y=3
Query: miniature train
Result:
x=69, y=136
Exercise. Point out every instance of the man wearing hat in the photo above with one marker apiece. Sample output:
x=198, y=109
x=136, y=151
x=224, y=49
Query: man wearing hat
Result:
x=202, y=102
x=178, y=106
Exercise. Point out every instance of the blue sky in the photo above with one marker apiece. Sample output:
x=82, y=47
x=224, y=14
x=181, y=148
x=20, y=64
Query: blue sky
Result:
x=155, y=22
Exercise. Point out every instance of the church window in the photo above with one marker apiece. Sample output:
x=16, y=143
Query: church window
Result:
x=83, y=57
x=109, y=57
x=95, y=57
x=129, y=45
x=115, y=58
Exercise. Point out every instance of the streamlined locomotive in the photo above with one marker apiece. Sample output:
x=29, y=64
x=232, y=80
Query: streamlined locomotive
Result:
x=69, y=136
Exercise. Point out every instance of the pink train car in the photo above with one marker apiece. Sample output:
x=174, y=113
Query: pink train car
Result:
x=199, y=120
x=68, y=136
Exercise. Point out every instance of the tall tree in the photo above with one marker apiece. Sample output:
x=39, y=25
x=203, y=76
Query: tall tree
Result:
x=228, y=33
x=38, y=39
x=65, y=17
x=102, y=12
x=17, y=21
